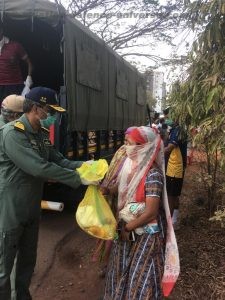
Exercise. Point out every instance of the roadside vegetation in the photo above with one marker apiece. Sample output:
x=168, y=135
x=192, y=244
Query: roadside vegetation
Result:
x=198, y=100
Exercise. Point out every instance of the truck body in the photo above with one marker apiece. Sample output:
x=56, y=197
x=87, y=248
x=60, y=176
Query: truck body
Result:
x=102, y=93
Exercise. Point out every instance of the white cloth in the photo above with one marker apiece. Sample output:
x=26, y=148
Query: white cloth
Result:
x=86, y=182
x=29, y=81
x=89, y=162
x=137, y=164
x=126, y=215
x=175, y=216
x=3, y=41
x=27, y=84
x=25, y=91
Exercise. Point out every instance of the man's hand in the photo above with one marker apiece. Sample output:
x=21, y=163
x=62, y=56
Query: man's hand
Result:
x=169, y=148
x=89, y=162
x=87, y=182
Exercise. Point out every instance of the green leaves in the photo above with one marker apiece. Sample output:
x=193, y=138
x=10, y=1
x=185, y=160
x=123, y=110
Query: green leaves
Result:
x=199, y=101
x=209, y=100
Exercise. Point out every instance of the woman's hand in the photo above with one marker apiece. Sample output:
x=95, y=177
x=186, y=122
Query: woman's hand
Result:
x=113, y=190
x=124, y=234
x=104, y=190
x=150, y=214
x=128, y=227
x=109, y=191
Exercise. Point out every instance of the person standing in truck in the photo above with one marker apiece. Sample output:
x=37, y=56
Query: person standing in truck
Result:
x=27, y=160
x=11, y=55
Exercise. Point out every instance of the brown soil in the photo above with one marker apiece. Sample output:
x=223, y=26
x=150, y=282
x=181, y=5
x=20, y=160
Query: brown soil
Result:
x=201, y=246
x=73, y=276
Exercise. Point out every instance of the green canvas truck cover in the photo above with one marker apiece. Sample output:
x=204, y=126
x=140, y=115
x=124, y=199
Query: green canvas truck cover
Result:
x=104, y=92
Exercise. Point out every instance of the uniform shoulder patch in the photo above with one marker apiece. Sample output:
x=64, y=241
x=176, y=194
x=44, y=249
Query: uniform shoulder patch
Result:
x=45, y=129
x=19, y=126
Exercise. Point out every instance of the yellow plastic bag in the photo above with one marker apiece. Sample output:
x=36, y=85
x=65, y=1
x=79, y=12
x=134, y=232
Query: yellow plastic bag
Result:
x=94, y=172
x=94, y=215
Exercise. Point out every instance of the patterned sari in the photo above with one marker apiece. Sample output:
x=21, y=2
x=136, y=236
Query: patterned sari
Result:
x=136, y=267
x=147, y=267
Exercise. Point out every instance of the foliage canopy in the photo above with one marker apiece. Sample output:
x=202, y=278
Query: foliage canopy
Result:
x=130, y=27
x=198, y=101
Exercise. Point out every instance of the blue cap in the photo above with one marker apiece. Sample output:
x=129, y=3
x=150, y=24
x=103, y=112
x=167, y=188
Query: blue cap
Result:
x=44, y=96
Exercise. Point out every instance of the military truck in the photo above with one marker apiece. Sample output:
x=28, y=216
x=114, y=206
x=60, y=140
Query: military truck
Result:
x=102, y=93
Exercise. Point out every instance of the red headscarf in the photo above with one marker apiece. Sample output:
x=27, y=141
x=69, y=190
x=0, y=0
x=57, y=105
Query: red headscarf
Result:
x=141, y=136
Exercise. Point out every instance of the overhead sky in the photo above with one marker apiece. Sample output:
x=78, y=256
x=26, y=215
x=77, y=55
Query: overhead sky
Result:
x=156, y=48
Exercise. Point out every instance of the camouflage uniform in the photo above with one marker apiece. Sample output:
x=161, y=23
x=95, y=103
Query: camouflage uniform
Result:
x=27, y=160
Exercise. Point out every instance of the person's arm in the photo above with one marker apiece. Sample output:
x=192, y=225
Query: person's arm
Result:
x=59, y=159
x=29, y=66
x=29, y=161
x=22, y=55
x=168, y=149
x=113, y=190
x=150, y=214
x=153, y=191
x=173, y=140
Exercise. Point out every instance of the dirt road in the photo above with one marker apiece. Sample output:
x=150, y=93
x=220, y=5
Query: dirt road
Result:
x=64, y=269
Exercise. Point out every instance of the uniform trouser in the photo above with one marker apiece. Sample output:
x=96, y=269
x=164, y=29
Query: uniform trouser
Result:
x=21, y=241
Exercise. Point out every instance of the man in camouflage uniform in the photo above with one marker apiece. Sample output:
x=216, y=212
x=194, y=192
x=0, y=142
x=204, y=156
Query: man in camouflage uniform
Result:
x=27, y=160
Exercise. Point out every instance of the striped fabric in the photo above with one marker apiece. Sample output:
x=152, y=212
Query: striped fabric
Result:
x=154, y=183
x=136, y=268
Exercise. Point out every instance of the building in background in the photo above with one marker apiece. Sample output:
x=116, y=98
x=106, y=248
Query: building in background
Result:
x=163, y=102
x=156, y=88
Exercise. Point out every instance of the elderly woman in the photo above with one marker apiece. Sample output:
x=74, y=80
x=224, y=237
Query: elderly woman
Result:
x=137, y=261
